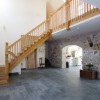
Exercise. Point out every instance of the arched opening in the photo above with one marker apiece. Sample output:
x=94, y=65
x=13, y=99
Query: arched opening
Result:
x=72, y=56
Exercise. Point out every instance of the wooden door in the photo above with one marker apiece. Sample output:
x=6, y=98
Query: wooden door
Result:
x=31, y=61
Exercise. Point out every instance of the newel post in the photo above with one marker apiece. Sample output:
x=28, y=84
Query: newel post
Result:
x=68, y=14
x=50, y=23
x=6, y=58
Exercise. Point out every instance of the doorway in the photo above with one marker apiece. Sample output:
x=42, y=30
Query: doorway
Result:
x=72, y=56
x=31, y=61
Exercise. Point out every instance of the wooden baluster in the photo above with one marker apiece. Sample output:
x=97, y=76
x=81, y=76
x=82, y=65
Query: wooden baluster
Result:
x=76, y=9
x=73, y=9
x=84, y=9
x=25, y=41
x=43, y=27
x=11, y=55
x=46, y=26
x=51, y=24
x=61, y=17
x=24, y=44
x=30, y=38
x=16, y=49
x=63, y=14
x=68, y=14
x=34, y=33
x=6, y=58
x=55, y=21
x=38, y=31
x=21, y=48
x=28, y=43
x=20, y=51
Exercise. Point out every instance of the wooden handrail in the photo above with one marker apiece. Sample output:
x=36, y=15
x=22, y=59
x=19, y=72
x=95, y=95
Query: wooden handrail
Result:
x=69, y=13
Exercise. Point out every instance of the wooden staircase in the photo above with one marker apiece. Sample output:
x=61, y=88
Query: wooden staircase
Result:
x=71, y=12
x=29, y=49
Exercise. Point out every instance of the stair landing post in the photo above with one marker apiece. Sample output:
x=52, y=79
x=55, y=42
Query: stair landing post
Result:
x=6, y=59
x=68, y=14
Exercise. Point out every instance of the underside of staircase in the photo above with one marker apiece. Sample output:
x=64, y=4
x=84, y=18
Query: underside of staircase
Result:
x=71, y=12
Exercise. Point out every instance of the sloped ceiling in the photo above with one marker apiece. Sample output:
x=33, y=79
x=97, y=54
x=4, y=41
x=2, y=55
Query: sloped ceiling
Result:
x=93, y=2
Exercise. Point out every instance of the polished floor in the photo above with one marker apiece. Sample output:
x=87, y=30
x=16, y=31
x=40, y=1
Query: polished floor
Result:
x=50, y=84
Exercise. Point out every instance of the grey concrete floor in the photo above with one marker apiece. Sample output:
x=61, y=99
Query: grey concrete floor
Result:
x=50, y=84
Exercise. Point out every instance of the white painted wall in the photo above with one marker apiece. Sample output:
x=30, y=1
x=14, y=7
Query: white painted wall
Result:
x=41, y=54
x=23, y=64
x=17, y=69
x=17, y=17
x=20, y=66
x=53, y=5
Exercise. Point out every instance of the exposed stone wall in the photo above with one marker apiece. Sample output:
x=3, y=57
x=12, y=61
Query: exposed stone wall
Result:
x=90, y=55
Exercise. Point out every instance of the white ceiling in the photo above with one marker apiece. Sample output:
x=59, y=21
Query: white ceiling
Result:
x=93, y=2
x=86, y=27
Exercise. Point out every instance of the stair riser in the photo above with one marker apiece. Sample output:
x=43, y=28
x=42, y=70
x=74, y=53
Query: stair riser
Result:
x=1, y=77
x=2, y=82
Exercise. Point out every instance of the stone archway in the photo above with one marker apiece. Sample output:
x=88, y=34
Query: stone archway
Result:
x=71, y=56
